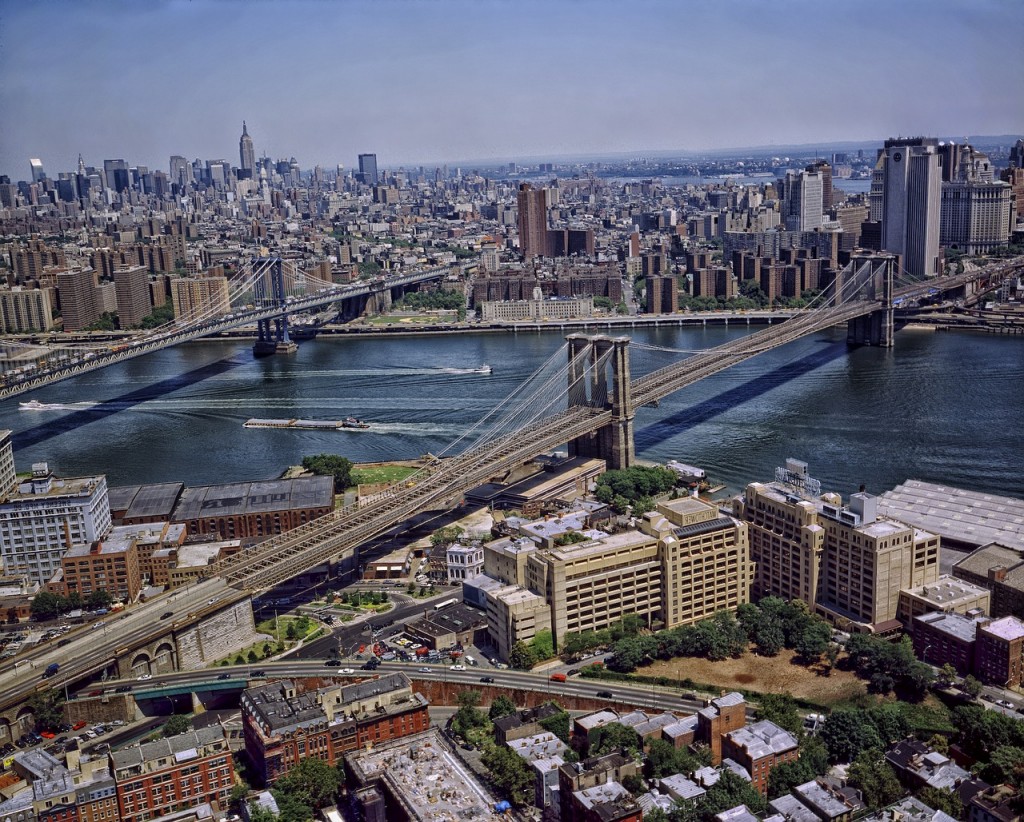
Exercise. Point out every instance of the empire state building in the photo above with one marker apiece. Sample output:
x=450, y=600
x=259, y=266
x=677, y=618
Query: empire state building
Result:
x=247, y=155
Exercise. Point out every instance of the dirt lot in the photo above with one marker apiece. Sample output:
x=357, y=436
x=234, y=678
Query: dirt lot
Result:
x=766, y=674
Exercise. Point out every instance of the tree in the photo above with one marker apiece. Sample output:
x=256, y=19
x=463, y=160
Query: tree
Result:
x=313, y=781
x=664, y=759
x=814, y=640
x=634, y=783
x=257, y=813
x=47, y=707
x=614, y=737
x=542, y=645
x=510, y=772
x=468, y=716
x=501, y=706
x=99, y=599
x=1006, y=766
x=46, y=605
x=875, y=779
x=559, y=724
x=846, y=733
x=446, y=535
x=729, y=791
x=176, y=725
x=971, y=686
x=331, y=465
x=942, y=800
x=238, y=794
x=521, y=657
x=769, y=638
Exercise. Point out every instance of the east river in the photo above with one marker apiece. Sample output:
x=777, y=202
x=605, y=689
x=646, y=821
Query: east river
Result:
x=942, y=407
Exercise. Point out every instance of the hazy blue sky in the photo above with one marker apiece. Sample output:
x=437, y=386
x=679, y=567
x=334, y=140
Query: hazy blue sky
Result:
x=433, y=80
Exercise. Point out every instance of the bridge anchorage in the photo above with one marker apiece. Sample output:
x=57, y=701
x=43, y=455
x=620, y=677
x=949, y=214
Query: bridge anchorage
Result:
x=269, y=292
x=590, y=361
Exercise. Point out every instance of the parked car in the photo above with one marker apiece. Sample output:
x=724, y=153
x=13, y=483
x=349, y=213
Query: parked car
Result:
x=604, y=694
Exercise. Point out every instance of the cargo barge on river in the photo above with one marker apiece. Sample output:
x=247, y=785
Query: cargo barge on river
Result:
x=347, y=424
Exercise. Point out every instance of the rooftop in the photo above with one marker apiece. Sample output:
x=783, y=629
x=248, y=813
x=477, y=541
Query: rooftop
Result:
x=180, y=748
x=968, y=517
x=947, y=590
x=961, y=627
x=1008, y=628
x=254, y=498
x=149, y=502
x=425, y=777
x=763, y=739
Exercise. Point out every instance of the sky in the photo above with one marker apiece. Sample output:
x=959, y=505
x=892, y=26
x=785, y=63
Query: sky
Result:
x=421, y=82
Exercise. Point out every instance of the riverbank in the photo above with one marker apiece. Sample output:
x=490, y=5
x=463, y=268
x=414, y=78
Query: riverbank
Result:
x=692, y=319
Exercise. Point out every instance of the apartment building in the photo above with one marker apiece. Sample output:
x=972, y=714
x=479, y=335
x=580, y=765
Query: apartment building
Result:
x=759, y=748
x=283, y=725
x=156, y=778
x=999, y=654
x=43, y=516
x=25, y=309
x=110, y=565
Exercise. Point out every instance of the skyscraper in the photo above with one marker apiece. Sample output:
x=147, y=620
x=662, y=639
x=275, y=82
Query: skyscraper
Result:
x=533, y=221
x=802, y=200
x=368, y=169
x=38, y=175
x=246, y=155
x=911, y=198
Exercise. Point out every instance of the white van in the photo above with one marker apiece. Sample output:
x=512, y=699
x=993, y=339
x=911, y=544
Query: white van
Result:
x=469, y=660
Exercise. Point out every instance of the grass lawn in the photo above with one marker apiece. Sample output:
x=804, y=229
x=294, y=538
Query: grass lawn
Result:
x=419, y=319
x=778, y=674
x=382, y=473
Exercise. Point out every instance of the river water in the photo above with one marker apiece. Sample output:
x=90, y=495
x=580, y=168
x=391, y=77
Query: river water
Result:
x=942, y=407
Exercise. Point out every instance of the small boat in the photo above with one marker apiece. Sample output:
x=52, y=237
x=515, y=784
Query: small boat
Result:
x=483, y=369
x=35, y=405
x=352, y=422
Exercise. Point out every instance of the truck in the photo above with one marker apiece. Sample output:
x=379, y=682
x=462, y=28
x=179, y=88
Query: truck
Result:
x=558, y=677
x=51, y=670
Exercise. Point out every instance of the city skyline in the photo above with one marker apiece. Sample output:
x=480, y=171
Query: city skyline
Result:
x=429, y=83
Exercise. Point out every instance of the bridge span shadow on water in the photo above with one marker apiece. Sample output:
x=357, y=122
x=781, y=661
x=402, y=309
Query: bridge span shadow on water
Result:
x=82, y=417
x=692, y=416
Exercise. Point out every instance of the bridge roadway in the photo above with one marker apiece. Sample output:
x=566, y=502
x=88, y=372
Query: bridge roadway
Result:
x=240, y=676
x=287, y=555
x=68, y=365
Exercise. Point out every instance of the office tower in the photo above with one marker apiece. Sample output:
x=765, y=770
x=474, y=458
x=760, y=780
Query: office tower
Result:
x=131, y=285
x=802, y=200
x=368, y=169
x=911, y=199
x=115, y=173
x=38, y=174
x=976, y=209
x=246, y=155
x=825, y=170
x=533, y=221
x=180, y=171
x=79, y=303
x=43, y=517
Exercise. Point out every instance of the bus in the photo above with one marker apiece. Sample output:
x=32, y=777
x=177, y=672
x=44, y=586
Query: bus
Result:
x=446, y=603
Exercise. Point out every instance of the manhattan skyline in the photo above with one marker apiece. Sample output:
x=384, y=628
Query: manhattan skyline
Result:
x=434, y=82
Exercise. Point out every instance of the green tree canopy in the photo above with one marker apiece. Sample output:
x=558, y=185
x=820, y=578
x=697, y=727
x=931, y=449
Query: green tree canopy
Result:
x=176, y=725
x=312, y=781
x=875, y=779
x=330, y=465
x=614, y=737
x=47, y=706
x=510, y=773
x=521, y=657
x=501, y=706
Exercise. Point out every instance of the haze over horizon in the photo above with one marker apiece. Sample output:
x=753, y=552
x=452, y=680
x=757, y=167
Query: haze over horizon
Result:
x=426, y=83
